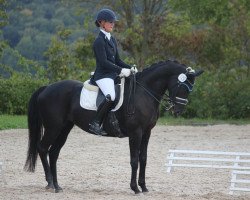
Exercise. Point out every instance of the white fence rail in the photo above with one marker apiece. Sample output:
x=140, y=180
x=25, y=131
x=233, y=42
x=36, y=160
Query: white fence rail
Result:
x=220, y=162
x=2, y=173
x=239, y=182
x=213, y=159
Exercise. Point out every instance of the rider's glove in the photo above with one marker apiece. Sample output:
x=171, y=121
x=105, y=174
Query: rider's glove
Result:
x=133, y=69
x=125, y=72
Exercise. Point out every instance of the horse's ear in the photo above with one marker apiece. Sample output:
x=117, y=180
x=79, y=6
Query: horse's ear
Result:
x=198, y=72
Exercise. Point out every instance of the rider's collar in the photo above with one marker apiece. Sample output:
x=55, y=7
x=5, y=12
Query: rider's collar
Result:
x=107, y=34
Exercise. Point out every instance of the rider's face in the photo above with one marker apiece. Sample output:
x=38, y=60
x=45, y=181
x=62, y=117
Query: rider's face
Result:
x=108, y=26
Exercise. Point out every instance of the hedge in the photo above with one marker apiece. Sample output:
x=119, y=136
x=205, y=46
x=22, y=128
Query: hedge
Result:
x=16, y=91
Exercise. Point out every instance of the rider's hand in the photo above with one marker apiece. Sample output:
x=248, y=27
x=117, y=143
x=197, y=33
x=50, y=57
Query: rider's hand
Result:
x=133, y=69
x=125, y=72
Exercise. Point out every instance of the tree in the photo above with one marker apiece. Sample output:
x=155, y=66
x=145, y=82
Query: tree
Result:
x=70, y=60
x=3, y=14
x=226, y=23
x=11, y=34
x=3, y=22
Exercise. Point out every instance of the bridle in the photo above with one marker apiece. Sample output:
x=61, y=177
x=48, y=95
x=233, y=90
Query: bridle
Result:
x=167, y=101
x=174, y=99
x=170, y=101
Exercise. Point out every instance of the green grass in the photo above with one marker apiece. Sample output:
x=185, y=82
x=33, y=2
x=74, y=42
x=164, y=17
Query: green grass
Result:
x=200, y=122
x=20, y=121
x=13, y=121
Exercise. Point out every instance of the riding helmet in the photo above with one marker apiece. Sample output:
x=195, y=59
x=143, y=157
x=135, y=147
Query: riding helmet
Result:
x=106, y=15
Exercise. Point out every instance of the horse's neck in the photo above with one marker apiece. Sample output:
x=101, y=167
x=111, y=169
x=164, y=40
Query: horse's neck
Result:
x=157, y=79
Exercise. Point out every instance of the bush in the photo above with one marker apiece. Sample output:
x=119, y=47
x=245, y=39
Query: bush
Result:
x=16, y=91
x=220, y=95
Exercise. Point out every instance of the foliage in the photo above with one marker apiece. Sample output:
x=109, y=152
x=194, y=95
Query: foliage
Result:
x=69, y=61
x=211, y=11
x=16, y=90
x=223, y=95
x=225, y=24
x=3, y=22
x=3, y=14
x=33, y=23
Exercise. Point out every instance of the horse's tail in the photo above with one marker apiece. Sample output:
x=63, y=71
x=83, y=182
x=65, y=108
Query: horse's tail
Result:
x=35, y=131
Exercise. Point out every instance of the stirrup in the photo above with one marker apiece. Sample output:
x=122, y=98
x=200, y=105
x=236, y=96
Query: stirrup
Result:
x=96, y=129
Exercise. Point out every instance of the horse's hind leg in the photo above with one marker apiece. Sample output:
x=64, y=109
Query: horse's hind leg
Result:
x=55, y=150
x=43, y=147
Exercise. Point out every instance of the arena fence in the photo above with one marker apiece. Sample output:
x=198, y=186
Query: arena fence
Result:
x=243, y=184
x=237, y=161
x=2, y=173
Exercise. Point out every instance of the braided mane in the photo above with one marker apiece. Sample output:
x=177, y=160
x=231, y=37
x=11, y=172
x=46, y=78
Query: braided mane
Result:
x=161, y=63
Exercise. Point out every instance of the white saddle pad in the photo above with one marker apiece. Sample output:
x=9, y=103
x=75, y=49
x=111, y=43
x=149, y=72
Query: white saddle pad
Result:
x=88, y=98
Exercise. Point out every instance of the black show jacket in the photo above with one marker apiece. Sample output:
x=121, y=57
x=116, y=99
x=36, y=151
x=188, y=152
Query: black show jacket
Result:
x=108, y=62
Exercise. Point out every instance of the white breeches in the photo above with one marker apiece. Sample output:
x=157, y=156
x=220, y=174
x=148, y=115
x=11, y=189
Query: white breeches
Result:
x=107, y=86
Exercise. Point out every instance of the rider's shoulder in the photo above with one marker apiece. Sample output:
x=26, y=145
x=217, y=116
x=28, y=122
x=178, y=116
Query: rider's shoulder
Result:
x=99, y=40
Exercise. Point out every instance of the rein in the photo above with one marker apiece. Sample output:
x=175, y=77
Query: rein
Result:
x=131, y=99
x=165, y=97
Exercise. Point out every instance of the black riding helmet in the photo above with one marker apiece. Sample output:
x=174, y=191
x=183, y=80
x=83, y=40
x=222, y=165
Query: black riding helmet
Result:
x=106, y=15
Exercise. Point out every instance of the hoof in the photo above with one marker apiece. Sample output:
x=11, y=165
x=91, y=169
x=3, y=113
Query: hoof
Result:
x=52, y=190
x=137, y=192
x=135, y=189
x=145, y=190
x=59, y=190
x=50, y=187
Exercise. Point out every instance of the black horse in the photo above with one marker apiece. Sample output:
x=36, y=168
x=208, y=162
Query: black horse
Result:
x=54, y=109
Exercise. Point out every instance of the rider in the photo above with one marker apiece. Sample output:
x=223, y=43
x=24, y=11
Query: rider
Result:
x=108, y=66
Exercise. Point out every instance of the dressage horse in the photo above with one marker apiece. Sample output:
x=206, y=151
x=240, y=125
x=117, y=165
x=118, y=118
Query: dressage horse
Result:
x=54, y=109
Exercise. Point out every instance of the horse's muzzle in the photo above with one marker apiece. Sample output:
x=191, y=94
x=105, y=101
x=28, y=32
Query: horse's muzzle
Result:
x=177, y=110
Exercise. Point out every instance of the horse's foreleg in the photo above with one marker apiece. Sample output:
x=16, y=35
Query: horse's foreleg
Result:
x=54, y=153
x=143, y=161
x=134, y=144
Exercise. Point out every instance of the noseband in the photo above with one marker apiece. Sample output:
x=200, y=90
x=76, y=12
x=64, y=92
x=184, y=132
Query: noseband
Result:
x=174, y=99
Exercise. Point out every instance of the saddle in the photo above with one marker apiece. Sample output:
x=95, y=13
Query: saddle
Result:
x=91, y=97
x=91, y=85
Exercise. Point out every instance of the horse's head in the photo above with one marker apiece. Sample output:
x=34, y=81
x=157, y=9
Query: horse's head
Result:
x=179, y=88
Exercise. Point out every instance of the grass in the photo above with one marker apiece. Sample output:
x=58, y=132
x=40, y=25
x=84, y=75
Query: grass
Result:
x=200, y=122
x=13, y=121
x=20, y=121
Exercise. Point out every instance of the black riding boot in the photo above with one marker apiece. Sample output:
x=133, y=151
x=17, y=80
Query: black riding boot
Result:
x=103, y=109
